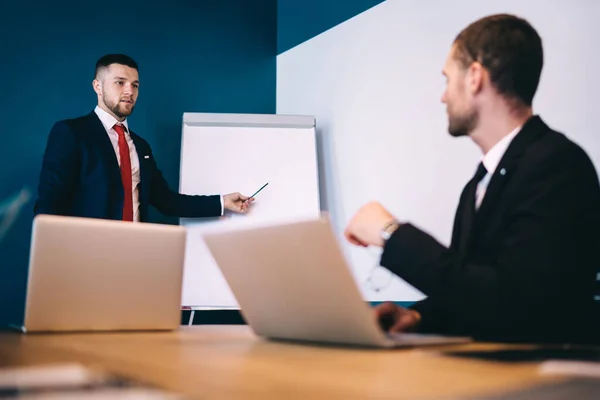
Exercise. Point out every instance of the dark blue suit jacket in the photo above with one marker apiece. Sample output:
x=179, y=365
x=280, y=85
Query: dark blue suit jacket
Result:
x=80, y=177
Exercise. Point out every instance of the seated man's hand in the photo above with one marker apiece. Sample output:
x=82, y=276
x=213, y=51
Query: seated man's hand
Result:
x=393, y=318
x=364, y=229
x=237, y=202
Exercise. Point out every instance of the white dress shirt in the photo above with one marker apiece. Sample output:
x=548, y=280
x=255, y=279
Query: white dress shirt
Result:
x=109, y=122
x=490, y=161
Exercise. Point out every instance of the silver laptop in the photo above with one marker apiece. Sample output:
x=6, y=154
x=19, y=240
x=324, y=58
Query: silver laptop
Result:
x=100, y=275
x=292, y=282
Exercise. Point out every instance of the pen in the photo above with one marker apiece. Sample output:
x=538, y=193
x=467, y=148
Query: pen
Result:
x=259, y=190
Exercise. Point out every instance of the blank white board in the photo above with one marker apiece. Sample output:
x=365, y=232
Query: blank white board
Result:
x=225, y=153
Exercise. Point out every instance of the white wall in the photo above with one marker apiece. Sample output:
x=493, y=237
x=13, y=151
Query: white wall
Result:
x=374, y=85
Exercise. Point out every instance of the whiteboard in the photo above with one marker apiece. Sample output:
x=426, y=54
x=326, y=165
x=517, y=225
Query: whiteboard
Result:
x=225, y=153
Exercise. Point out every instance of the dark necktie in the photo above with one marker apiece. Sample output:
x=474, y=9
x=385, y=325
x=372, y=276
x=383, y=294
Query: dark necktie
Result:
x=468, y=210
x=125, y=173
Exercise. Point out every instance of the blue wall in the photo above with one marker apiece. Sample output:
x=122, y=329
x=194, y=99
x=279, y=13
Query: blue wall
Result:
x=301, y=20
x=194, y=56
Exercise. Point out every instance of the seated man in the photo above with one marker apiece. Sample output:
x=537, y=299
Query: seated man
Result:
x=523, y=258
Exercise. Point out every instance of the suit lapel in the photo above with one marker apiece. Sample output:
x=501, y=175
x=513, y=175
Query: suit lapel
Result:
x=509, y=162
x=104, y=145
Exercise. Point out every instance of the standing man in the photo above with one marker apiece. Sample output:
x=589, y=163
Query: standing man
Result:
x=523, y=258
x=96, y=167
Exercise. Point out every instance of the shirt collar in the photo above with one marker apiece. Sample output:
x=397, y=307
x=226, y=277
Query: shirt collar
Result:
x=492, y=158
x=108, y=120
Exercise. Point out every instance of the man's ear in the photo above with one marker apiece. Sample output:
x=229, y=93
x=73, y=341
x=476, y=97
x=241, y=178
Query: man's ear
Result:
x=476, y=78
x=97, y=86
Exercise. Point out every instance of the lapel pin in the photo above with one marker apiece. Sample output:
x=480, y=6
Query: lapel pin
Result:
x=503, y=171
x=149, y=157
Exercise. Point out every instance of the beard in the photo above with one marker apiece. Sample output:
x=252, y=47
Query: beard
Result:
x=462, y=125
x=121, y=110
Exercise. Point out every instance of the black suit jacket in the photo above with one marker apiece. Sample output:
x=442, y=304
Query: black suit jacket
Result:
x=526, y=268
x=80, y=176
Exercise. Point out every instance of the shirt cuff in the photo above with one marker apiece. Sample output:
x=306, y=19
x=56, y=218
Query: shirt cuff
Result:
x=222, y=205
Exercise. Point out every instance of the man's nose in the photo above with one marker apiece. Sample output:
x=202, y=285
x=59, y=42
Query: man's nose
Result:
x=128, y=88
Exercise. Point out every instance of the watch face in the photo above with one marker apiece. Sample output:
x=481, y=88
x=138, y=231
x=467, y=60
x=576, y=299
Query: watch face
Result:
x=389, y=229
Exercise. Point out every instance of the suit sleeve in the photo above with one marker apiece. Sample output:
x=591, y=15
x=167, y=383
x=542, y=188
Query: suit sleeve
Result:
x=536, y=255
x=59, y=173
x=175, y=204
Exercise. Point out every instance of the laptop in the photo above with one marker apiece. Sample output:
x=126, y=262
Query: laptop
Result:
x=103, y=275
x=292, y=283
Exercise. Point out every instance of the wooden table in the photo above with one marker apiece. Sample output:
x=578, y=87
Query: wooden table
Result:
x=228, y=362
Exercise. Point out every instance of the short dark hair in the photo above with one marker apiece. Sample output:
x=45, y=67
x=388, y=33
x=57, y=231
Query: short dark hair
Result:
x=509, y=48
x=109, y=59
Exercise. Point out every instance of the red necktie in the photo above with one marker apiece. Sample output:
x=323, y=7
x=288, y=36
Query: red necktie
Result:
x=125, y=173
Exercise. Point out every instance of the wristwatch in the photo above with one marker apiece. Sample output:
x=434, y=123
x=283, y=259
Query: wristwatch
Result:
x=389, y=229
